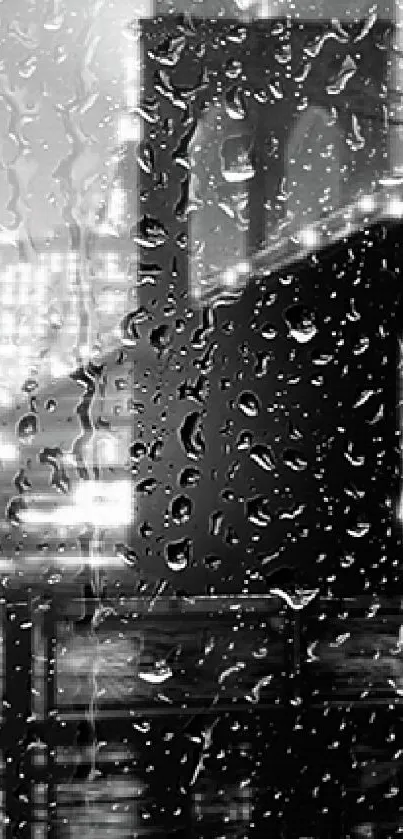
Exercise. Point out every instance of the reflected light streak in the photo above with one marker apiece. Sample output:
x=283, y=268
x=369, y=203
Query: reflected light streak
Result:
x=94, y=503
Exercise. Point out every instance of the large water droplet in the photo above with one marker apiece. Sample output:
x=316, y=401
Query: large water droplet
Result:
x=178, y=554
x=301, y=323
x=15, y=509
x=129, y=333
x=181, y=509
x=27, y=428
x=160, y=338
x=189, y=477
x=237, y=159
x=263, y=456
x=257, y=511
x=150, y=233
x=191, y=436
x=137, y=450
x=235, y=103
x=294, y=460
x=249, y=403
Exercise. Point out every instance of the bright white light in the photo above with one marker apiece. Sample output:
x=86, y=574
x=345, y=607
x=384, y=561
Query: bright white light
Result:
x=366, y=203
x=309, y=237
x=56, y=261
x=108, y=451
x=104, y=504
x=128, y=128
x=59, y=369
x=6, y=399
x=230, y=276
x=244, y=268
x=94, y=502
x=7, y=323
x=8, y=451
x=394, y=207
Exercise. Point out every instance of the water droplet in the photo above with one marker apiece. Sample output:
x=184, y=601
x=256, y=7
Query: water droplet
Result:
x=189, y=477
x=235, y=103
x=212, y=562
x=263, y=456
x=262, y=363
x=301, y=323
x=237, y=163
x=191, y=436
x=147, y=486
x=178, y=554
x=129, y=333
x=249, y=403
x=244, y=441
x=51, y=405
x=15, y=509
x=27, y=428
x=156, y=450
x=137, y=450
x=257, y=511
x=30, y=385
x=181, y=509
x=145, y=158
x=151, y=233
x=294, y=460
x=160, y=338
x=361, y=529
x=121, y=383
x=233, y=68
x=215, y=521
x=347, y=70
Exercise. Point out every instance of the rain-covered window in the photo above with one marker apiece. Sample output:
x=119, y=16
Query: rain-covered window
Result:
x=313, y=176
x=221, y=173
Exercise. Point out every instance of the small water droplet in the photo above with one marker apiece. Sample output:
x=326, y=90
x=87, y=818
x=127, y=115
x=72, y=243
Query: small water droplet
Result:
x=189, y=477
x=215, y=521
x=244, y=441
x=51, y=405
x=137, y=450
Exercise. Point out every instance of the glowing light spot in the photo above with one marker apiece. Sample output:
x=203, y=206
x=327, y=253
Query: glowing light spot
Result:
x=108, y=451
x=244, y=268
x=309, y=237
x=366, y=204
x=230, y=276
x=8, y=451
x=104, y=504
x=394, y=207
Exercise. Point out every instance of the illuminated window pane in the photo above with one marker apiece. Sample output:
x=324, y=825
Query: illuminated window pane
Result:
x=219, y=189
x=313, y=168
